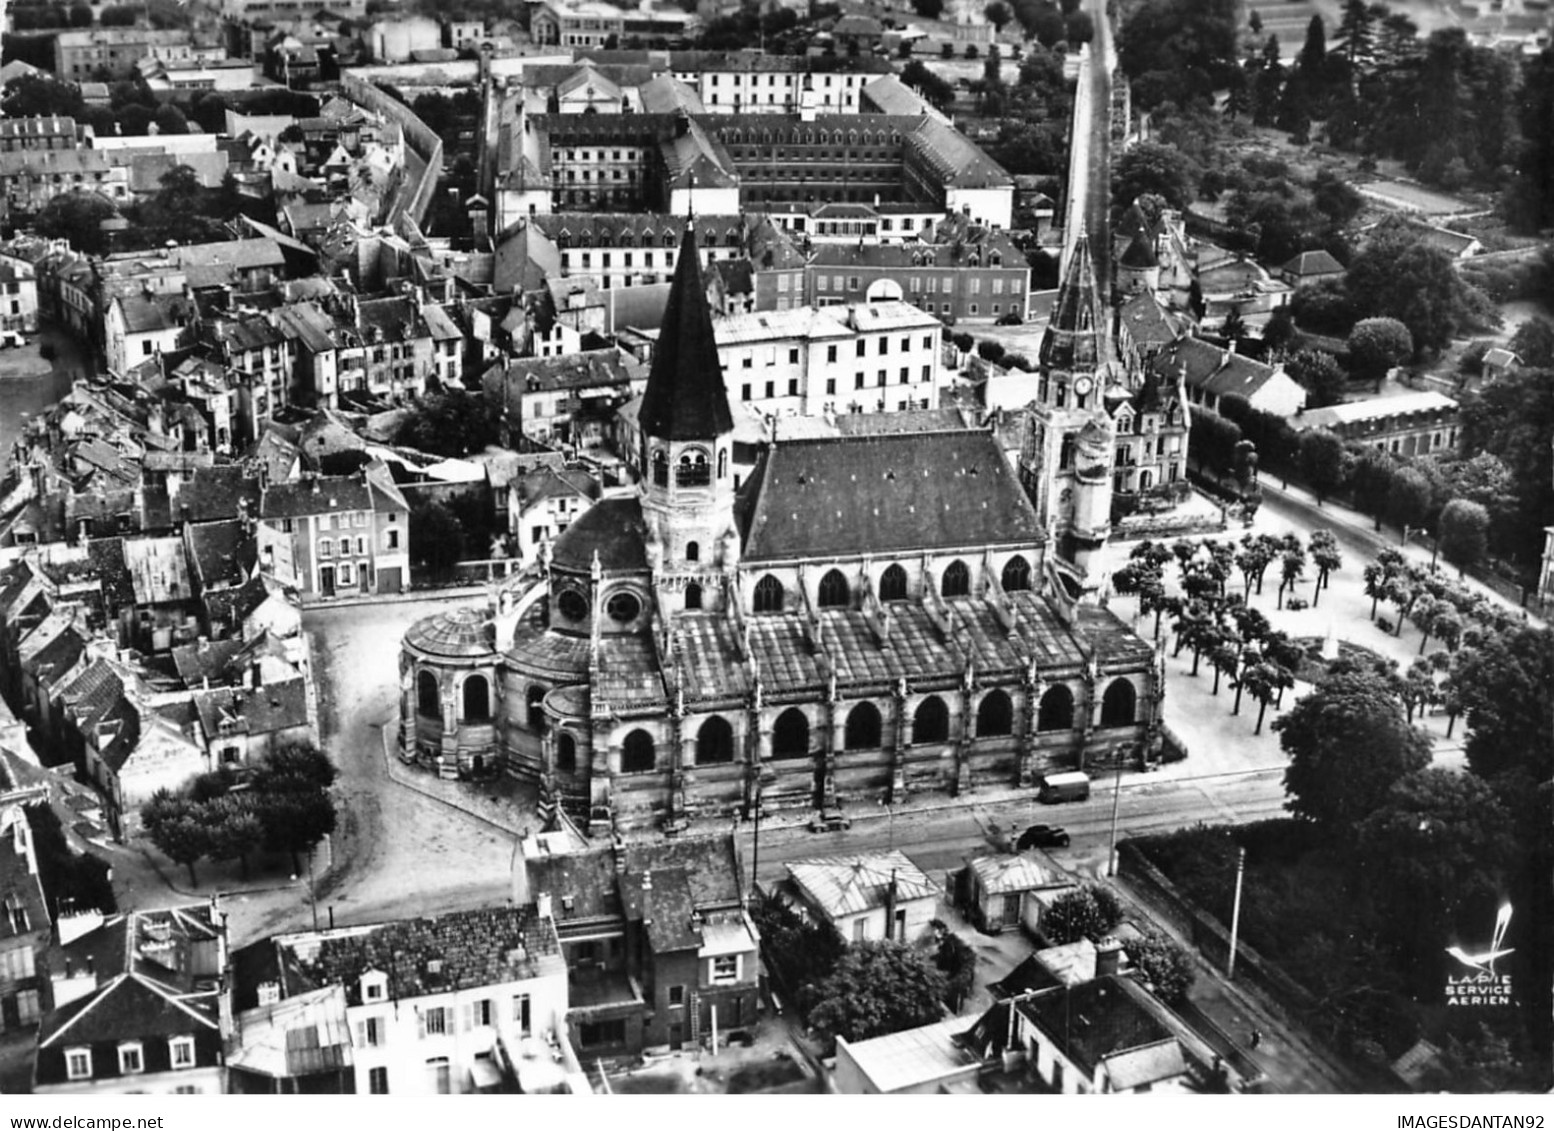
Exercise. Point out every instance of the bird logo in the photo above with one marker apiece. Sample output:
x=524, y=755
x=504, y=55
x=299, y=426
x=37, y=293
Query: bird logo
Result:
x=1485, y=961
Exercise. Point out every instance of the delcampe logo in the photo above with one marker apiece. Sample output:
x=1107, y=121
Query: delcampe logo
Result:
x=1481, y=983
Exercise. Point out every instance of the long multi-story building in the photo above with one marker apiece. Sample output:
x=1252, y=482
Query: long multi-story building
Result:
x=589, y=23
x=80, y=56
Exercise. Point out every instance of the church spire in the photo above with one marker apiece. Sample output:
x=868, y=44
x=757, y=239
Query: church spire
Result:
x=685, y=398
x=1073, y=337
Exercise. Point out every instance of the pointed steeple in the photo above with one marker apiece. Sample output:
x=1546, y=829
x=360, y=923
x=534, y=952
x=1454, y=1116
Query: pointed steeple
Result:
x=685, y=398
x=1073, y=337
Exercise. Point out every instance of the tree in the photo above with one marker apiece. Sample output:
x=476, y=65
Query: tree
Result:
x=1167, y=969
x=1319, y=374
x=294, y=766
x=878, y=987
x=1408, y=501
x=436, y=537
x=1507, y=689
x=1376, y=345
x=1151, y=168
x=1379, y=574
x=798, y=951
x=958, y=963
x=1263, y=682
x=1322, y=461
x=1326, y=556
x=41, y=96
x=928, y=9
x=1464, y=533
x=171, y=120
x=77, y=217
x=1356, y=34
x=998, y=14
x=1292, y=567
x=175, y=828
x=1397, y=275
x=1088, y=912
x=235, y=832
x=1256, y=554
x=1439, y=843
x=915, y=74
x=1078, y=28
x=294, y=822
x=1348, y=742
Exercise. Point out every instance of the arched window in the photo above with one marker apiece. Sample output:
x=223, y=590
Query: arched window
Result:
x=637, y=753
x=957, y=580
x=893, y=584
x=768, y=595
x=693, y=596
x=714, y=742
x=790, y=734
x=932, y=721
x=723, y=464
x=623, y=607
x=693, y=551
x=995, y=715
x=1017, y=574
x=1057, y=709
x=660, y=469
x=863, y=728
x=566, y=753
x=535, y=700
x=834, y=592
x=428, y=701
x=477, y=699
x=1118, y=704
x=693, y=470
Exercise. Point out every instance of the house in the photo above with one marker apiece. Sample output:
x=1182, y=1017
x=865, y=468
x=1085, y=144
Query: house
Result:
x=299, y=1045
x=18, y=294
x=1499, y=363
x=166, y=606
x=880, y=896
x=1411, y=424
x=922, y=1061
x=566, y=399
x=543, y=503
x=24, y=920
x=328, y=535
x=1006, y=892
x=1099, y=1037
x=1210, y=373
x=138, y=326
x=658, y=946
x=137, y=748
x=1310, y=267
x=1234, y=284
x=463, y=1002
x=139, y=1004
x=241, y=725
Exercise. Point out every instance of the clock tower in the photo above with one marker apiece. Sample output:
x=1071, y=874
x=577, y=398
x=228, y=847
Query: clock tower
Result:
x=1066, y=457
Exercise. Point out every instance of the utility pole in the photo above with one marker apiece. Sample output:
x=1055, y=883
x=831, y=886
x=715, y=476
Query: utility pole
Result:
x=1111, y=855
x=1235, y=916
x=755, y=849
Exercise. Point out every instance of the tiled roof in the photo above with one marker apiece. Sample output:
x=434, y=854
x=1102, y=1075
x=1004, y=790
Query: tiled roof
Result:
x=955, y=158
x=685, y=397
x=215, y=493
x=459, y=633
x=582, y=885
x=21, y=888
x=316, y=495
x=144, y=314
x=1004, y=873
x=904, y=493
x=159, y=569
x=205, y=660
x=268, y=709
x=1376, y=408
x=1308, y=263
x=846, y=885
x=1148, y=322
x=1097, y=1020
x=462, y=950
x=614, y=528
x=1211, y=369
x=223, y=552
x=913, y=1057
x=230, y=607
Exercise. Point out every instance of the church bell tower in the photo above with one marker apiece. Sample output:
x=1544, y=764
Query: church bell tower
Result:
x=687, y=454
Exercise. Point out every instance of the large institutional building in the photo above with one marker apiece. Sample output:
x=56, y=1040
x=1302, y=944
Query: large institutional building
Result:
x=866, y=617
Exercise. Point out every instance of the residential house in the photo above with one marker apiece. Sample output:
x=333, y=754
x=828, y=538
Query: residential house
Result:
x=141, y=744
x=241, y=725
x=1500, y=363
x=927, y=1060
x=114, y=51
x=567, y=400
x=166, y=607
x=24, y=920
x=464, y=1002
x=1310, y=267
x=18, y=294
x=259, y=356
x=336, y=534
x=1007, y=892
x=260, y=605
x=29, y=179
x=1210, y=373
x=299, y=1045
x=139, y=1005
x=964, y=271
x=1232, y=283
x=543, y=503
x=138, y=326
x=881, y=895
x=1412, y=424
x=1101, y=1036
x=658, y=946
x=36, y=134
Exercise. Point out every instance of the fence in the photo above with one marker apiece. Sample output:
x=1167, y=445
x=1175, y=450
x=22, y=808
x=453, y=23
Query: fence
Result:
x=423, y=165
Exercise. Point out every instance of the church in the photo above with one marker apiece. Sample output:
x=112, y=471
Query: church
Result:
x=866, y=617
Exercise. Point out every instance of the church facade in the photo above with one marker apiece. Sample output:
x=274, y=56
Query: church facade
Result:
x=867, y=617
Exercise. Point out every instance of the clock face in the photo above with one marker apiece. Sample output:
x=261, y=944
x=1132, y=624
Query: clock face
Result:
x=1082, y=386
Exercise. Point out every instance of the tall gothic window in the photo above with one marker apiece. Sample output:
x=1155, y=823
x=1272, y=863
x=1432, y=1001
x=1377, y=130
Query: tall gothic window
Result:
x=957, y=580
x=931, y=723
x=768, y=595
x=834, y=592
x=714, y=742
x=863, y=728
x=1057, y=709
x=790, y=734
x=995, y=715
x=893, y=584
x=1119, y=704
x=637, y=753
x=1017, y=574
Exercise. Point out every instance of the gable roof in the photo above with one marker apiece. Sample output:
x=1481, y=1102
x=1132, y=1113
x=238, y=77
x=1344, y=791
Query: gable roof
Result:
x=879, y=493
x=1010, y=873
x=1098, y=1021
x=268, y=709
x=1204, y=366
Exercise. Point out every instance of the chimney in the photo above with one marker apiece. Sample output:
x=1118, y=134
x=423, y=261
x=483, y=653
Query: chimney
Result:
x=1108, y=957
x=255, y=678
x=542, y=904
x=76, y=924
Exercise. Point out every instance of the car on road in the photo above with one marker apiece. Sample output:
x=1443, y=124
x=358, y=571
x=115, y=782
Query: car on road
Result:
x=10, y=338
x=830, y=820
x=1042, y=836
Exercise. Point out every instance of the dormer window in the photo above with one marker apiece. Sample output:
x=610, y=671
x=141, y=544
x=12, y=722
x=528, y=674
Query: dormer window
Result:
x=132, y=1058
x=374, y=986
x=180, y=1052
x=78, y=1064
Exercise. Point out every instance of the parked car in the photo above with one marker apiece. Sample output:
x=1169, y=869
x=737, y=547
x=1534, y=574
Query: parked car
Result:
x=1011, y=319
x=830, y=820
x=9, y=338
x=1057, y=788
x=1042, y=836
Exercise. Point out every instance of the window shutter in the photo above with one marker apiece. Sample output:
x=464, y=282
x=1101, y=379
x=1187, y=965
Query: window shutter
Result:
x=420, y=1020
x=468, y=1019
x=361, y=1035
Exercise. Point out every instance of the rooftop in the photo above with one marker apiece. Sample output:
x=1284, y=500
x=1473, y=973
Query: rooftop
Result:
x=845, y=885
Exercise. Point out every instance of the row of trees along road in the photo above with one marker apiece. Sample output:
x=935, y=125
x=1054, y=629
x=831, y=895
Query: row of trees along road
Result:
x=284, y=805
